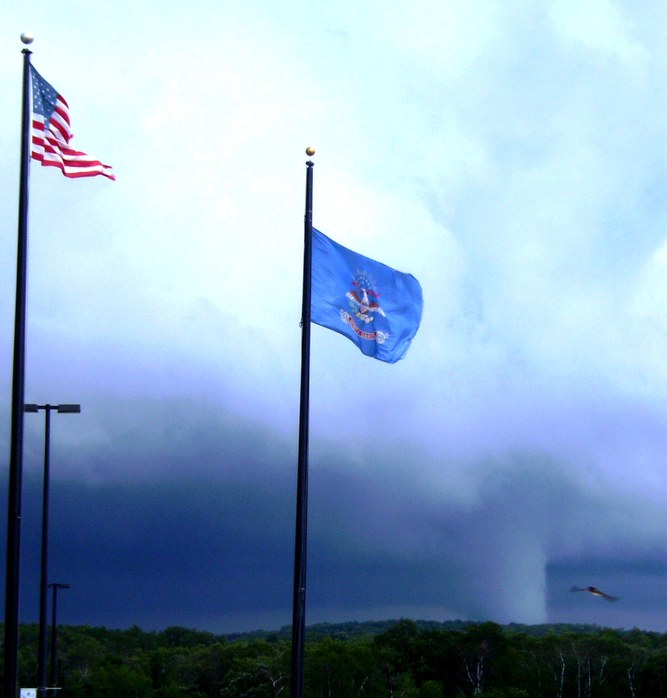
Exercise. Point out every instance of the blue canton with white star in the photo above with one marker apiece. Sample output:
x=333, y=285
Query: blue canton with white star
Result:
x=44, y=97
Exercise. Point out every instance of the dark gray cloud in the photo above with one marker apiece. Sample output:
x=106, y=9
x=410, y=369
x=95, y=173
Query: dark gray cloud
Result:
x=211, y=544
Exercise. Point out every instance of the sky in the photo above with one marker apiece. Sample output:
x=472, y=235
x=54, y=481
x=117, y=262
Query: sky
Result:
x=510, y=154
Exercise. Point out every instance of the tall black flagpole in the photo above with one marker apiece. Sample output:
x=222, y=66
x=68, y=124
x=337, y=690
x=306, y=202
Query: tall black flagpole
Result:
x=301, y=537
x=18, y=384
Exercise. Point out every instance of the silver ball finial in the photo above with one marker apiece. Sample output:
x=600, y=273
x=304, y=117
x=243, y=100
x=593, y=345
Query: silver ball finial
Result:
x=27, y=37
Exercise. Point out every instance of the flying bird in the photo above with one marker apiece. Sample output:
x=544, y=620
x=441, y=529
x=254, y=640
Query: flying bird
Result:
x=596, y=592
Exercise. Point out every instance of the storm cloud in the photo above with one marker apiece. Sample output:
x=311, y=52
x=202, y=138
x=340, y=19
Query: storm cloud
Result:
x=510, y=155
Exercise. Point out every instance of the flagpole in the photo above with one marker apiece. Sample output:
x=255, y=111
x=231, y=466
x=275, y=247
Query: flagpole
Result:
x=301, y=535
x=18, y=385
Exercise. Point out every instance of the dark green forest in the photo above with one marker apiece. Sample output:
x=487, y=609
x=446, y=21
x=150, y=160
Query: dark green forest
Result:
x=392, y=659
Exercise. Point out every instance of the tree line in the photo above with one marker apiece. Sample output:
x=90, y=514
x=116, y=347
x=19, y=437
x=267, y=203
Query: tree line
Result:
x=394, y=659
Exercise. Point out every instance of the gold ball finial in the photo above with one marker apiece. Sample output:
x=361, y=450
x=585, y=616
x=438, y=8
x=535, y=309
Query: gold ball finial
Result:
x=310, y=151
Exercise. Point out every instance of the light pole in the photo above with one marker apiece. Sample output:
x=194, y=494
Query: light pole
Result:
x=54, y=603
x=41, y=649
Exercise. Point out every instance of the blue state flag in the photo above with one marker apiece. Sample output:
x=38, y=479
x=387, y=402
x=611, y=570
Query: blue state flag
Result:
x=375, y=306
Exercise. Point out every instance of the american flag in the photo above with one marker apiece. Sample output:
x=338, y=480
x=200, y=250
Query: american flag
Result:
x=51, y=134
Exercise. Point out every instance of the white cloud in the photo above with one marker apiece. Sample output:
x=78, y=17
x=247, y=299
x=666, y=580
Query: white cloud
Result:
x=603, y=27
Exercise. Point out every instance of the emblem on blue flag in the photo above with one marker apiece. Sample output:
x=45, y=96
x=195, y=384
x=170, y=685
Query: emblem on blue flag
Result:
x=375, y=306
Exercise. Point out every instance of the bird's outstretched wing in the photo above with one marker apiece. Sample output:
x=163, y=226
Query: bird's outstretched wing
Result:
x=596, y=592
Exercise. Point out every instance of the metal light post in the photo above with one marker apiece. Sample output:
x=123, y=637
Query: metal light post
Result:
x=41, y=650
x=54, y=604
